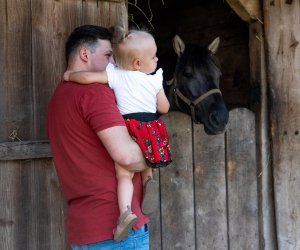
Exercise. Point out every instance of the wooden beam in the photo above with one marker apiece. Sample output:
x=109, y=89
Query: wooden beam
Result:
x=282, y=35
x=24, y=150
x=246, y=10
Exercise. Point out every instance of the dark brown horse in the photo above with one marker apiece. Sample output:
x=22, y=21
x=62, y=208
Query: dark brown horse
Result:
x=192, y=84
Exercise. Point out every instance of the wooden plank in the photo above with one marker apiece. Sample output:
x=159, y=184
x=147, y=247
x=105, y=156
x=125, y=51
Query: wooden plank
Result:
x=155, y=223
x=105, y=13
x=41, y=208
x=15, y=78
x=242, y=181
x=282, y=29
x=4, y=85
x=260, y=106
x=9, y=174
x=52, y=22
x=32, y=215
x=247, y=10
x=15, y=108
x=24, y=150
x=176, y=181
x=210, y=190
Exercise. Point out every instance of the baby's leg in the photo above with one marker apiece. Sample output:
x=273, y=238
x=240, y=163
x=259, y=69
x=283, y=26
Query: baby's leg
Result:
x=125, y=187
x=125, y=192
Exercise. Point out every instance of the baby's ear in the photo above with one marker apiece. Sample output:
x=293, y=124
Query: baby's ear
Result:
x=136, y=64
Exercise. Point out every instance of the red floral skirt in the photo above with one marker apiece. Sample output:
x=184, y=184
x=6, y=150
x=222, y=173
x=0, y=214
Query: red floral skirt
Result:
x=152, y=137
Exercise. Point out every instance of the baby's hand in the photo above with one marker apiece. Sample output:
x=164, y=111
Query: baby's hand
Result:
x=67, y=75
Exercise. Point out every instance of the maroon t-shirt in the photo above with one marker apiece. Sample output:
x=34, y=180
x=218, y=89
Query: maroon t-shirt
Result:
x=85, y=170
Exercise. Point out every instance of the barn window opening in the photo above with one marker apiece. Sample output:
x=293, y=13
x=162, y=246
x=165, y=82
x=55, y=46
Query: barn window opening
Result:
x=200, y=21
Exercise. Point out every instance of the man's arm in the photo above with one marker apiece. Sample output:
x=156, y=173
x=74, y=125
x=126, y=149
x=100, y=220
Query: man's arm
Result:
x=85, y=77
x=122, y=149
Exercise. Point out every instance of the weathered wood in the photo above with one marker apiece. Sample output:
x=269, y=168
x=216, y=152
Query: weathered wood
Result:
x=33, y=208
x=282, y=28
x=210, y=190
x=260, y=107
x=155, y=222
x=16, y=75
x=3, y=73
x=24, y=150
x=247, y=10
x=95, y=12
x=242, y=181
x=177, y=189
x=50, y=29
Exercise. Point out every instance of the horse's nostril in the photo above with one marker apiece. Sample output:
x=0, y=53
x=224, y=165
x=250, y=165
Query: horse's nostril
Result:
x=218, y=119
x=213, y=118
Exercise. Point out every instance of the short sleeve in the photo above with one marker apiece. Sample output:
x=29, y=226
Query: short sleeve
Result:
x=111, y=74
x=157, y=80
x=100, y=109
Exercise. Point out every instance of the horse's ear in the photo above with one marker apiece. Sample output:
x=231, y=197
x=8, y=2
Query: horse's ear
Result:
x=178, y=45
x=214, y=45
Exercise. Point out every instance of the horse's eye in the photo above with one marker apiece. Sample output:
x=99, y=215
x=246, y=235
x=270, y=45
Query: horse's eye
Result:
x=187, y=74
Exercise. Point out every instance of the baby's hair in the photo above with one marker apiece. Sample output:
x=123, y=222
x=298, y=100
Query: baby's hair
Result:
x=128, y=46
x=119, y=33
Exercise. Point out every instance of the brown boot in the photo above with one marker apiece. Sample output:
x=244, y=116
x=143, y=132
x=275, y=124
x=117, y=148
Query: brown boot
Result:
x=151, y=196
x=125, y=223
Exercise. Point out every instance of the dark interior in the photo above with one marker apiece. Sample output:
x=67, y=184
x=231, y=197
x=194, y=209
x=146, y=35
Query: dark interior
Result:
x=200, y=21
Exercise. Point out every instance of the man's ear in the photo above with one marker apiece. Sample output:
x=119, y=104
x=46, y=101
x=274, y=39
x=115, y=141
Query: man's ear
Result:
x=136, y=64
x=83, y=53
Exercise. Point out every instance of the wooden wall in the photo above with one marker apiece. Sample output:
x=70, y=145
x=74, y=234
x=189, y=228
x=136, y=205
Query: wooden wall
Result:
x=213, y=197
x=32, y=38
x=209, y=194
x=211, y=185
x=282, y=27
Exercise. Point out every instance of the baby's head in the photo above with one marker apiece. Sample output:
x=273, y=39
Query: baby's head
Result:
x=135, y=50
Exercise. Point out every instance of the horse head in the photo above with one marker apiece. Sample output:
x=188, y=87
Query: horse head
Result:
x=194, y=88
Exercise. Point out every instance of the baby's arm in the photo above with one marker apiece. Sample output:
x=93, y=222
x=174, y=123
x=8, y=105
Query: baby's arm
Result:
x=86, y=77
x=163, y=104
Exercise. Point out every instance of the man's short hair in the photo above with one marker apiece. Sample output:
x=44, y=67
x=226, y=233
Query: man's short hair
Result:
x=86, y=35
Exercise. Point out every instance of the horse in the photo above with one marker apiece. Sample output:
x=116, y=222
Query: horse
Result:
x=194, y=84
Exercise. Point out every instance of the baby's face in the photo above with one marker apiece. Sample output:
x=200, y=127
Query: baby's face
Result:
x=149, y=60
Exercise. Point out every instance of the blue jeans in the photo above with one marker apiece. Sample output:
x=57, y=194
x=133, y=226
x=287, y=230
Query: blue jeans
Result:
x=136, y=240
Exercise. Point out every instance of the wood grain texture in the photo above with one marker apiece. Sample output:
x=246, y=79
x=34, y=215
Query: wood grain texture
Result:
x=247, y=10
x=15, y=79
x=282, y=28
x=96, y=12
x=24, y=150
x=32, y=216
x=242, y=181
x=177, y=188
x=155, y=221
x=210, y=190
x=52, y=21
x=259, y=104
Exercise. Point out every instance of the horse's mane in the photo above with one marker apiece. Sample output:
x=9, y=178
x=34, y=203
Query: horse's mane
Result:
x=199, y=57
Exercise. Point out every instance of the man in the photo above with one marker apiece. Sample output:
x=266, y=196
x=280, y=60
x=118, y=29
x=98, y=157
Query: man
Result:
x=87, y=135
